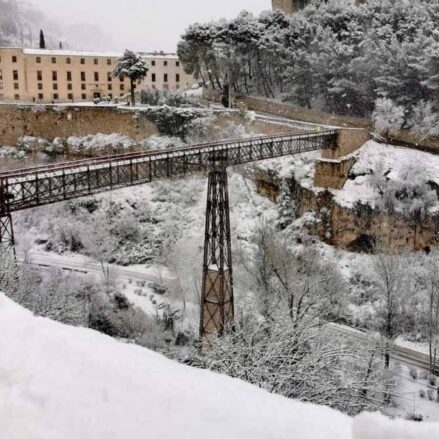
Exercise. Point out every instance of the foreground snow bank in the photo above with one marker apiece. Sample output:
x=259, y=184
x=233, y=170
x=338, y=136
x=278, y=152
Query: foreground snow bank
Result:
x=63, y=382
x=58, y=382
x=374, y=426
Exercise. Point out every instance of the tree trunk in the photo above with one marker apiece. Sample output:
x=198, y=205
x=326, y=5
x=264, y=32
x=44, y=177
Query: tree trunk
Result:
x=133, y=95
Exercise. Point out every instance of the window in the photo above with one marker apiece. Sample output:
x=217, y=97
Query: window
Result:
x=153, y=63
x=69, y=76
x=53, y=60
x=54, y=76
x=14, y=60
x=16, y=86
x=69, y=86
x=84, y=96
x=40, y=96
x=109, y=76
x=121, y=79
x=177, y=77
x=154, y=87
x=55, y=86
x=55, y=96
x=70, y=96
x=17, y=97
x=1, y=74
x=165, y=87
x=96, y=76
x=82, y=60
x=40, y=86
x=38, y=59
x=39, y=75
x=68, y=60
x=110, y=95
x=153, y=78
x=177, y=63
x=15, y=75
x=122, y=87
x=110, y=86
x=96, y=61
x=2, y=97
x=83, y=87
x=165, y=77
x=108, y=62
x=178, y=86
x=165, y=63
x=82, y=76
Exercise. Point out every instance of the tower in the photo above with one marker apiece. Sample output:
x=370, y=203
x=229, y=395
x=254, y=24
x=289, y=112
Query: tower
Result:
x=289, y=6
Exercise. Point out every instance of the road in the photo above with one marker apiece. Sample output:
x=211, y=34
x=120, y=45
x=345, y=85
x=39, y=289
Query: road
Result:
x=87, y=266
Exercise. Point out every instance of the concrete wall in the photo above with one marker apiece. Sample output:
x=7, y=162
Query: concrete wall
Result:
x=348, y=141
x=50, y=122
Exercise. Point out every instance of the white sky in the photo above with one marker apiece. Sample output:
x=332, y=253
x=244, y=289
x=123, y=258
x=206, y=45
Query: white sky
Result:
x=145, y=24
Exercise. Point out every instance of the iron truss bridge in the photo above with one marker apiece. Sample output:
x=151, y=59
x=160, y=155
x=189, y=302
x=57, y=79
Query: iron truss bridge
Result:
x=37, y=186
x=28, y=188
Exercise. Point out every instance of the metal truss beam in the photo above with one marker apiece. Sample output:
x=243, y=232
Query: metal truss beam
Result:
x=53, y=183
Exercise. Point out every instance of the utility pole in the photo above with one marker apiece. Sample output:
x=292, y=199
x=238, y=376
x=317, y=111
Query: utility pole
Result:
x=217, y=306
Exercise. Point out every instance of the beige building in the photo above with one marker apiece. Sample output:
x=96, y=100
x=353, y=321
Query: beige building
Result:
x=45, y=76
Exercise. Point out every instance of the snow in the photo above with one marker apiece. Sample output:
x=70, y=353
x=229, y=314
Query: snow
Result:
x=394, y=159
x=63, y=382
x=374, y=426
x=60, y=381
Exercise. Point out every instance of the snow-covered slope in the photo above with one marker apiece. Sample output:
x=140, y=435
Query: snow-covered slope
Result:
x=58, y=382
x=63, y=382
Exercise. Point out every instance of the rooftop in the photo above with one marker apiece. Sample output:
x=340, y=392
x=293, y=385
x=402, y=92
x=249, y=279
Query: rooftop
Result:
x=95, y=54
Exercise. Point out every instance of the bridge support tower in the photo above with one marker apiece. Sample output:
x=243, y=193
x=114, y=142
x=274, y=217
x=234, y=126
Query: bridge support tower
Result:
x=217, y=306
x=7, y=240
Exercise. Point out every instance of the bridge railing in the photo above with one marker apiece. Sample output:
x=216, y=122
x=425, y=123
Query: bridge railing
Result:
x=26, y=188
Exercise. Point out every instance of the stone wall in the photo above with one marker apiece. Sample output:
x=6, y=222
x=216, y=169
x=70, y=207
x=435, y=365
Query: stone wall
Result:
x=52, y=121
x=356, y=229
x=302, y=114
x=332, y=173
x=348, y=141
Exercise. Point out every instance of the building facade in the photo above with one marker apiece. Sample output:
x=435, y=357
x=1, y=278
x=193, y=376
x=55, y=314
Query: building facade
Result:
x=51, y=76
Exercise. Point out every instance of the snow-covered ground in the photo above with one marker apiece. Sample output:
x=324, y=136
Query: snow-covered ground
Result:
x=394, y=163
x=58, y=381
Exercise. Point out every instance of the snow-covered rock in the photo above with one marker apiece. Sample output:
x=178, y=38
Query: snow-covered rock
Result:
x=99, y=142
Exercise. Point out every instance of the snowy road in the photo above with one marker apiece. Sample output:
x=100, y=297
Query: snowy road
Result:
x=85, y=265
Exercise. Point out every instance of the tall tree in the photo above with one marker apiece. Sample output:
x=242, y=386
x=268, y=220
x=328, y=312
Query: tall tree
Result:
x=42, y=40
x=132, y=66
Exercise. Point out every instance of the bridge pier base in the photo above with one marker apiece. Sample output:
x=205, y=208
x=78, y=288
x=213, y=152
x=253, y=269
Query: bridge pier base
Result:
x=217, y=306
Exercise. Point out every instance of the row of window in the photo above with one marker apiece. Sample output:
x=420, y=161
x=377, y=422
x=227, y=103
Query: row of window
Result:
x=109, y=61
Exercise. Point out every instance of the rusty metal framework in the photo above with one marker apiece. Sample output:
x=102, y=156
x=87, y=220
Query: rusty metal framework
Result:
x=27, y=188
x=38, y=186
x=217, y=304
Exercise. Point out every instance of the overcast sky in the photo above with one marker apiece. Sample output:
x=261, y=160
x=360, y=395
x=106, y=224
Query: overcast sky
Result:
x=144, y=24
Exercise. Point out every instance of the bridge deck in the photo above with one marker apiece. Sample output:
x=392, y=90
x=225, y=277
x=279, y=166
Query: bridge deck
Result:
x=31, y=187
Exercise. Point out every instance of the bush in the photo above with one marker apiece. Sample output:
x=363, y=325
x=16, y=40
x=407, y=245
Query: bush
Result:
x=430, y=394
x=422, y=393
x=414, y=373
x=163, y=97
x=173, y=121
x=432, y=380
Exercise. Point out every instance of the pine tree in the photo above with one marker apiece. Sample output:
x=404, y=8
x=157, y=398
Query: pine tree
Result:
x=42, y=40
x=133, y=67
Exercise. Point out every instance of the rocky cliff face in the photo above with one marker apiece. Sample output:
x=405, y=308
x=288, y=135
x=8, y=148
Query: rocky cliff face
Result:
x=356, y=229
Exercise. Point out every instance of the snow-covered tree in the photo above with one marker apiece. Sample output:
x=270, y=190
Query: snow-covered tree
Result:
x=388, y=117
x=132, y=66
x=285, y=206
x=392, y=291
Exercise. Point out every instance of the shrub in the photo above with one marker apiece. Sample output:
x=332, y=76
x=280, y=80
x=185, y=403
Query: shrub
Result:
x=432, y=380
x=414, y=373
x=430, y=394
x=422, y=393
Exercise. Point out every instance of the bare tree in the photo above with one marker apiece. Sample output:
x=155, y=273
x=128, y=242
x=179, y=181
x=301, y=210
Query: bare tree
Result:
x=391, y=294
